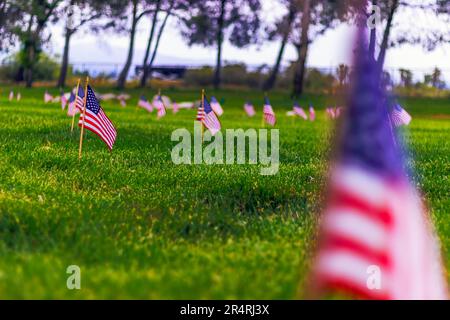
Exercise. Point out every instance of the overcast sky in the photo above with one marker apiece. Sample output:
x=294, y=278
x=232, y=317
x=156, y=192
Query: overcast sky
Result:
x=329, y=50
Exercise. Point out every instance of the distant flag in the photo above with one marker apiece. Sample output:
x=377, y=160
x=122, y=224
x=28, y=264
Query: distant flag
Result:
x=159, y=105
x=312, y=113
x=175, y=107
x=63, y=100
x=123, y=103
x=338, y=111
x=210, y=118
x=97, y=121
x=399, y=116
x=79, y=99
x=71, y=109
x=19, y=96
x=215, y=105
x=47, y=97
x=377, y=242
x=269, y=115
x=331, y=112
x=249, y=109
x=144, y=103
x=11, y=95
x=299, y=111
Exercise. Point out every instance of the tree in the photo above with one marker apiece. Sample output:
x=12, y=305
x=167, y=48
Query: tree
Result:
x=138, y=10
x=211, y=22
x=9, y=14
x=77, y=14
x=30, y=31
x=406, y=77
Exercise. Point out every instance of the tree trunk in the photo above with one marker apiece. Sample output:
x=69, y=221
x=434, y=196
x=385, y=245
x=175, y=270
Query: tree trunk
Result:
x=158, y=39
x=28, y=72
x=217, y=76
x=149, y=43
x=270, y=82
x=126, y=68
x=65, y=60
x=300, y=69
x=387, y=31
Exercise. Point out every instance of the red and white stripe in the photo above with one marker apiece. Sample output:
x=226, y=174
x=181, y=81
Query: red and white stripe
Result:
x=212, y=122
x=380, y=226
x=161, y=110
x=300, y=112
x=48, y=97
x=217, y=108
x=312, y=114
x=200, y=114
x=100, y=125
x=249, y=109
x=146, y=105
x=269, y=115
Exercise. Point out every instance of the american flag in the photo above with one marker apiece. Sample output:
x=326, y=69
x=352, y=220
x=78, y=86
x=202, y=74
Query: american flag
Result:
x=331, y=113
x=269, y=115
x=144, y=103
x=123, y=103
x=338, y=111
x=63, y=100
x=47, y=97
x=175, y=107
x=399, y=116
x=11, y=95
x=210, y=119
x=159, y=105
x=200, y=113
x=71, y=109
x=312, y=113
x=215, y=105
x=19, y=96
x=249, y=109
x=376, y=241
x=79, y=99
x=97, y=121
x=299, y=111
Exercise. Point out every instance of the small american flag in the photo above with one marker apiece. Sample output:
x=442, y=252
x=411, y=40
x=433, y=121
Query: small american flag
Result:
x=299, y=111
x=123, y=103
x=79, y=99
x=97, y=121
x=331, y=113
x=159, y=105
x=175, y=107
x=399, y=116
x=312, y=113
x=377, y=242
x=215, y=105
x=210, y=119
x=71, y=109
x=249, y=109
x=338, y=111
x=269, y=115
x=11, y=95
x=47, y=97
x=63, y=100
x=200, y=113
x=144, y=103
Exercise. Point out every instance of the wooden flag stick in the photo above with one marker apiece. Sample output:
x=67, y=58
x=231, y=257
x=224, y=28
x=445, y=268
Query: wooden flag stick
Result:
x=84, y=116
x=76, y=95
x=203, y=108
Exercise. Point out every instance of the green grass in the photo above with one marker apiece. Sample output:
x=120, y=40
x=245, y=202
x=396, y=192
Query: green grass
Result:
x=141, y=227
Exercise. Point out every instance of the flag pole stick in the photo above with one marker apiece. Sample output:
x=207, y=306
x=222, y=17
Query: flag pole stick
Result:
x=203, y=108
x=84, y=116
x=76, y=95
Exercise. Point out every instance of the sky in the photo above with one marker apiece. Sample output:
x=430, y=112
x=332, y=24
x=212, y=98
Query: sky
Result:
x=327, y=51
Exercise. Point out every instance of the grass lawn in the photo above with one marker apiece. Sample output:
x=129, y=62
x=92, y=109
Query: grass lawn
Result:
x=141, y=227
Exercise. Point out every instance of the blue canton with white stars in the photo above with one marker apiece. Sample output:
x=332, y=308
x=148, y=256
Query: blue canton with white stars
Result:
x=91, y=102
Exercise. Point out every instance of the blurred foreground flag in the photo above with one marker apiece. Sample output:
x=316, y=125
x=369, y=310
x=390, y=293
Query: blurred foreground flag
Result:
x=210, y=119
x=312, y=113
x=159, y=105
x=269, y=115
x=399, y=116
x=215, y=105
x=47, y=97
x=249, y=109
x=97, y=121
x=299, y=111
x=377, y=241
x=144, y=103
x=11, y=95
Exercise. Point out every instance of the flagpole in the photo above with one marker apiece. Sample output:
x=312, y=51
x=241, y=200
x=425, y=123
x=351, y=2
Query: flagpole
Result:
x=76, y=95
x=203, y=108
x=84, y=116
